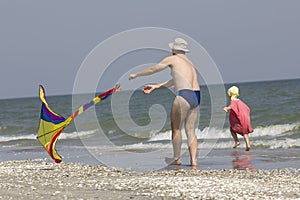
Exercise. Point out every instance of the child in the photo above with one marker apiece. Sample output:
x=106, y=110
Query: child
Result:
x=239, y=117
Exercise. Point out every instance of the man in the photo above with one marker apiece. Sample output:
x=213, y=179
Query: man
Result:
x=185, y=107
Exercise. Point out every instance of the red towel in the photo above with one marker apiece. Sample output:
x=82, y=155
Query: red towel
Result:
x=239, y=117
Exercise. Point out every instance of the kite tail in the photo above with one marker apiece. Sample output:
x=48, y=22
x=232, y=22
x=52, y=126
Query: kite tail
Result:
x=52, y=124
x=86, y=106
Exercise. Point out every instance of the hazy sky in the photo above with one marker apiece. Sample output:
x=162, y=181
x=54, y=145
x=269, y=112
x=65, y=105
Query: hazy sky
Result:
x=45, y=42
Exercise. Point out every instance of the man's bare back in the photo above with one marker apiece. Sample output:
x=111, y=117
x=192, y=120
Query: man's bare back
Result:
x=183, y=73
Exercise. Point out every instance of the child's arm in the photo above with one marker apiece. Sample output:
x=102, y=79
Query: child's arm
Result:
x=226, y=108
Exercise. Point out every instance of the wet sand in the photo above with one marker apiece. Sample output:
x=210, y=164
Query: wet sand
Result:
x=37, y=179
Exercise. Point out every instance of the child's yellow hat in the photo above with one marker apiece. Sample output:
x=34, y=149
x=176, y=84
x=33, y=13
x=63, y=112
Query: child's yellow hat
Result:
x=233, y=91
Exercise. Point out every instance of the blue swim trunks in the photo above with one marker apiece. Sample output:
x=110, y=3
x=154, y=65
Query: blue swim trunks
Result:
x=191, y=96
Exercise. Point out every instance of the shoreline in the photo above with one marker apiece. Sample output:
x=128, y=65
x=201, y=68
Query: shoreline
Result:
x=37, y=179
x=216, y=159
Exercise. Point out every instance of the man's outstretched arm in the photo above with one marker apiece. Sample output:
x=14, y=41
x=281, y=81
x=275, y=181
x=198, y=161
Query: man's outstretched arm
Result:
x=152, y=69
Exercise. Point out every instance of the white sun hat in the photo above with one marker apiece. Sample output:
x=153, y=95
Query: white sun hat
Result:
x=179, y=44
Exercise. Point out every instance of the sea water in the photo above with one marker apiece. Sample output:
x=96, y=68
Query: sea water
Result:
x=137, y=126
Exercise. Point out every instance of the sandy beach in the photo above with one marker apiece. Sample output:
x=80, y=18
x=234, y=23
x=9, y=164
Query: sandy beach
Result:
x=37, y=179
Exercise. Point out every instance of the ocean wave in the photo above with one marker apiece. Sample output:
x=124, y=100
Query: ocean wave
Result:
x=277, y=130
x=17, y=137
x=213, y=133
x=63, y=136
x=77, y=135
x=274, y=136
x=10, y=129
x=285, y=143
x=260, y=144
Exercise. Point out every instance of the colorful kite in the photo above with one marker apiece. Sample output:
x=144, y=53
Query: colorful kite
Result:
x=52, y=124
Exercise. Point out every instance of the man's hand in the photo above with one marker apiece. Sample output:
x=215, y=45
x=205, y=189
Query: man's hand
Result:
x=149, y=88
x=132, y=76
x=117, y=88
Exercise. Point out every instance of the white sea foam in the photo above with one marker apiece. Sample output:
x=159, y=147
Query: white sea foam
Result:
x=15, y=137
x=77, y=135
x=277, y=144
x=272, y=144
x=63, y=136
x=148, y=146
x=212, y=133
x=3, y=128
x=274, y=130
x=263, y=137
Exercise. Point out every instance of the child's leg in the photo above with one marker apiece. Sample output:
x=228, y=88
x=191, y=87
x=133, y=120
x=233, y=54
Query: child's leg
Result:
x=236, y=140
x=246, y=138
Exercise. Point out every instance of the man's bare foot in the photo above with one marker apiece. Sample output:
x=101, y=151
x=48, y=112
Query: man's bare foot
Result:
x=194, y=163
x=173, y=161
x=236, y=144
x=247, y=148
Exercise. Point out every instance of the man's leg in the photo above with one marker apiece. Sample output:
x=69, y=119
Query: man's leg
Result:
x=178, y=114
x=190, y=125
